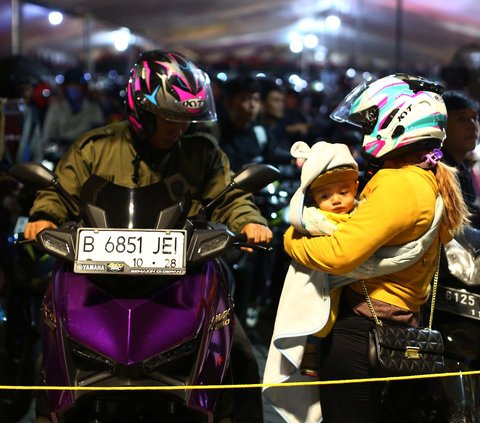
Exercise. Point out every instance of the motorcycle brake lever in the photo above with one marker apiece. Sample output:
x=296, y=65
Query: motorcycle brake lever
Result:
x=19, y=239
x=254, y=246
x=262, y=247
x=241, y=241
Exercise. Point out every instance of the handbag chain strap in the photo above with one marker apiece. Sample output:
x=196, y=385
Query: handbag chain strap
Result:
x=378, y=322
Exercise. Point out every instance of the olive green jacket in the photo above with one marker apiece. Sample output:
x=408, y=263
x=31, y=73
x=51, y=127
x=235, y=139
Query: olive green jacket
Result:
x=109, y=152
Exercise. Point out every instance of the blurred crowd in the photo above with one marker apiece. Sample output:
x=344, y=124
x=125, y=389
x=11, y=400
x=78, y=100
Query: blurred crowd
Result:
x=43, y=110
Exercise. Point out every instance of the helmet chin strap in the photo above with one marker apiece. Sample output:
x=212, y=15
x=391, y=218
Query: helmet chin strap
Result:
x=371, y=167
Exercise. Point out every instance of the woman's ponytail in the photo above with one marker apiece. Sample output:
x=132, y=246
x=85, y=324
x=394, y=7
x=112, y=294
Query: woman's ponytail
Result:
x=456, y=214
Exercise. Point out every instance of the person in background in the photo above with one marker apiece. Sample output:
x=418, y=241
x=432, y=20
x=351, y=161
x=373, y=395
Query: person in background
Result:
x=242, y=137
x=218, y=95
x=36, y=97
x=19, y=77
x=473, y=159
x=295, y=121
x=463, y=132
x=70, y=114
x=151, y=145
x=397, y=206
x=272, y=111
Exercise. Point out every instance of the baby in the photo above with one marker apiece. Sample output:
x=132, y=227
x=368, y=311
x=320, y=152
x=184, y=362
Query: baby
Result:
x=330, y=198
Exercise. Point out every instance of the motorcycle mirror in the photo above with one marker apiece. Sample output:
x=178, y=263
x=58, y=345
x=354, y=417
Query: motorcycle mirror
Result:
x=38, y=176
x=255, y=177
x=470, y=239
x=32, y=174
x=251, y=178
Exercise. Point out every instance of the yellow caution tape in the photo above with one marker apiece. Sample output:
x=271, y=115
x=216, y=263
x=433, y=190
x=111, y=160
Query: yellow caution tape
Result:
x=240, y=386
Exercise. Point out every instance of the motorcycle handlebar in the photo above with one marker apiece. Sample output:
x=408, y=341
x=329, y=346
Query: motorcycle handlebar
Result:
x=19, y=239
x=241, y=241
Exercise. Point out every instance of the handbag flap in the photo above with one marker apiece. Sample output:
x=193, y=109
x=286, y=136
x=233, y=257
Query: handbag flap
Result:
x=399, y=337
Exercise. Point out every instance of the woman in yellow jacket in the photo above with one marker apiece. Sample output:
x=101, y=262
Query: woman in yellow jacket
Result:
x=403, y=119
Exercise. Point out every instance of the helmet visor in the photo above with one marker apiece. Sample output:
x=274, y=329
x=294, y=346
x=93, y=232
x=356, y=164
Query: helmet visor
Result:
x=179, y=105
x=343, y=112
x=195, y=109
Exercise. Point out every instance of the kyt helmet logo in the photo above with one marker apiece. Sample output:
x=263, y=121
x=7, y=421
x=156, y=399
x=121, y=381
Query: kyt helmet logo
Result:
x=193, y=103
x=405, y=113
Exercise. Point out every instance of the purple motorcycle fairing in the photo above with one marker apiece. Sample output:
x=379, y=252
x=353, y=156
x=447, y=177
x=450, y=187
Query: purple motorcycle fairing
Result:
x=129, y=331
x=97, y=332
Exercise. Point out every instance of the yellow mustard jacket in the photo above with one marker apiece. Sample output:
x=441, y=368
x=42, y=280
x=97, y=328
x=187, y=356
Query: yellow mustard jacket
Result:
x=396, y=206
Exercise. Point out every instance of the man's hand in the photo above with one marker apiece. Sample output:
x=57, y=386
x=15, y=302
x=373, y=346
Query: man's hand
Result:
x=256, y=234
x=33, y=228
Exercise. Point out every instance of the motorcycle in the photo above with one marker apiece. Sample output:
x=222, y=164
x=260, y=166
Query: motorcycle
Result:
x=139, y=297
x=458, y=319
x=457, y=316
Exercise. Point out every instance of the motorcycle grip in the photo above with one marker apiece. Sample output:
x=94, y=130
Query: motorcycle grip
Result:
x=241, y=241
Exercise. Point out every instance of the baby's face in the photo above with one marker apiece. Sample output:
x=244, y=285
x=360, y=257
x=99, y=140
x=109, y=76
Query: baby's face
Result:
x=336, y=197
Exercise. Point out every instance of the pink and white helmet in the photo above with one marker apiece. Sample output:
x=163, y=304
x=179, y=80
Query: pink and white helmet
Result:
x=397, y=113
x=169, y=85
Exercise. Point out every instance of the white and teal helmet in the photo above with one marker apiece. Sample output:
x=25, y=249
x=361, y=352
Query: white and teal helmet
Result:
x=397, y=113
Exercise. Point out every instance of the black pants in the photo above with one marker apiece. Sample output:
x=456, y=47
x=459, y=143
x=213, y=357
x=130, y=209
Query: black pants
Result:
x=343, y=355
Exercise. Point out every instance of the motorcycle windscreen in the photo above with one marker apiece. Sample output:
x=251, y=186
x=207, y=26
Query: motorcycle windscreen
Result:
x=161, y=205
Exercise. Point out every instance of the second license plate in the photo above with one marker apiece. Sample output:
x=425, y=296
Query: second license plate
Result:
x=459, y=302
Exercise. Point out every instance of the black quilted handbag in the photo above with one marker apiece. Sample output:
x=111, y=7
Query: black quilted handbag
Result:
x=400, y=351
x=403, y=350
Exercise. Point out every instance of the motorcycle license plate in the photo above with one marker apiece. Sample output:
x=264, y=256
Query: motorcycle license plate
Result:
x=130, y=251
x=458, y=301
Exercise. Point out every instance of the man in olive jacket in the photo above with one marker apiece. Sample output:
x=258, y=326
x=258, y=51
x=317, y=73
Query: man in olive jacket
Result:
x=165, y=93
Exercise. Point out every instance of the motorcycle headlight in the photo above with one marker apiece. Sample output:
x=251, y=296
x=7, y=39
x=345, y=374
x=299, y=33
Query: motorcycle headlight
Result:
x=212, y=245
x=462, y=264
x=176, y=354
x=56, y=245
x=92, y=357
x=89, y=366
